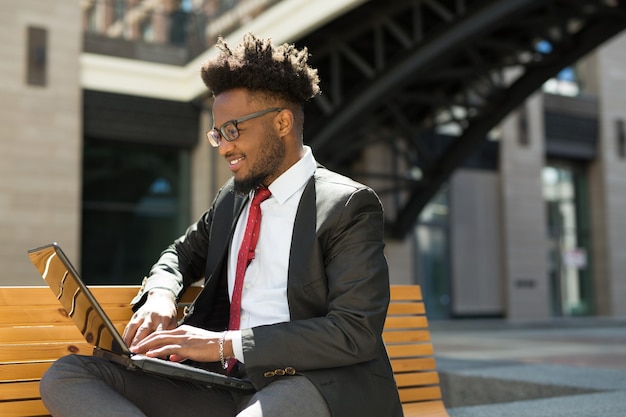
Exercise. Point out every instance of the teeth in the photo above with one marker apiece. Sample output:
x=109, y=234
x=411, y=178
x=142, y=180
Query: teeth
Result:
x=235, y=161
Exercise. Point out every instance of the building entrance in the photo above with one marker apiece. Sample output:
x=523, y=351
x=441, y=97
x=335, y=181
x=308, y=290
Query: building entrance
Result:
x=432, y=263
x=566, y=199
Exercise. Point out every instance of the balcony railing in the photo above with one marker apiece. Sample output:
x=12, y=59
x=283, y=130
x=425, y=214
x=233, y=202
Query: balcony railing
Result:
x=185, y=28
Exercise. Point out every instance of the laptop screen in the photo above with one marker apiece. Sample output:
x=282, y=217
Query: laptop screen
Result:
x=76, y=298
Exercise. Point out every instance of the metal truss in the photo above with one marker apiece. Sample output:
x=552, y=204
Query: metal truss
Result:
x=397, y=73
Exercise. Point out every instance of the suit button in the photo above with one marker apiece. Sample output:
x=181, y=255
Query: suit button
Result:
x=269, y=374
x=279, y=372
x=290, y=371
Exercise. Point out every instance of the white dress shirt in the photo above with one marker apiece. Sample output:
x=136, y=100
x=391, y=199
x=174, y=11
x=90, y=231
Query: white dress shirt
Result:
x=264, y=294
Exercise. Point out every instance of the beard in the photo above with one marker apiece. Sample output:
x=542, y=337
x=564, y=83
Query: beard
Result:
x=269, y=159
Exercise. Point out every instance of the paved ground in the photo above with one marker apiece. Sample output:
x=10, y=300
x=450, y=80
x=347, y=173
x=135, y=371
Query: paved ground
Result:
x=556, y=368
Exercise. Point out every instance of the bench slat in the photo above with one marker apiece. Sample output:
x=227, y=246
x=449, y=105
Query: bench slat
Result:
x=406, y=351
x=425, y=408
x=23, y=408
x=19, y=372
x=39, y=333
x=36, y=352
x=406, y=308
x=19, y=391
x=406, y=322
x=407, y=365
x=105, y=294
x=419, y=394
x=10, y=316
x=41, y=296
x=413, y=379
x=406, y=336
x=406, y=292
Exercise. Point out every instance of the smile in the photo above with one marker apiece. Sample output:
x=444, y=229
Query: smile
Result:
x=234, y=164
x=235, y=161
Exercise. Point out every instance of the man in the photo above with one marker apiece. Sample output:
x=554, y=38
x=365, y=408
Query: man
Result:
x=300, y=316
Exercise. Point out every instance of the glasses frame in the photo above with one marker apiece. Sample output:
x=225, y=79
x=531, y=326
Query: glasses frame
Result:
x=215, y=136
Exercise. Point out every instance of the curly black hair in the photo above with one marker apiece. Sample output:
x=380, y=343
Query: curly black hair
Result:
x=257, y=65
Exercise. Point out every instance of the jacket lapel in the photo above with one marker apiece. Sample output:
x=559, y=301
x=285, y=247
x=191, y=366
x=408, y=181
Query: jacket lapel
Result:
x=304, y=259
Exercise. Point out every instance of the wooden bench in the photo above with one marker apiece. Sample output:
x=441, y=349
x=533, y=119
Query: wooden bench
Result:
x=35, y=330
x=411, y=352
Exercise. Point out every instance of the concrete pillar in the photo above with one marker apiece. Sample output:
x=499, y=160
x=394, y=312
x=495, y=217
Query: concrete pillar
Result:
x=202, y=182
x=525, y=269
x=476, y=243
x=400, y=253
x=209, y=170
x=608, y=183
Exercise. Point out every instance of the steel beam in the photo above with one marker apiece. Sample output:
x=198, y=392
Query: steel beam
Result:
x=409, y=67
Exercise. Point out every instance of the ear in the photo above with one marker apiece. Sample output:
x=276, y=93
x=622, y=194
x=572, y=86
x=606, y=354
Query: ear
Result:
x=284, y=122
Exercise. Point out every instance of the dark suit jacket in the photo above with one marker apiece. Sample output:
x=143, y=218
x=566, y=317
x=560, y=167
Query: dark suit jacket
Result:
x=338, y=294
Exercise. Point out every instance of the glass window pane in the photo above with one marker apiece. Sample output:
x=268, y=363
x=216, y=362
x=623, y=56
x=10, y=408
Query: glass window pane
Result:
x=566, y=200
x=433, y=256
x=135, y=203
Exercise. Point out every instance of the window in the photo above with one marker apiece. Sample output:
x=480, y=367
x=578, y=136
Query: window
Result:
x=566, y=83
x=135, y=203
x=433, y=256
x=621, y=138
x=36, y=65
x=569, y=244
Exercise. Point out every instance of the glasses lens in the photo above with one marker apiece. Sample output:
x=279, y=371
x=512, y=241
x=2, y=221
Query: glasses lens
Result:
x=230, y=131
x=214, y=137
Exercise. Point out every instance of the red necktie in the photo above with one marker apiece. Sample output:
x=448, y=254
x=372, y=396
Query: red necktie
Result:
x=246, y=255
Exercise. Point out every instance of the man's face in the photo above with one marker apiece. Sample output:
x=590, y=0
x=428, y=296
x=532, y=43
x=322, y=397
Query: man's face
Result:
x=257, y=156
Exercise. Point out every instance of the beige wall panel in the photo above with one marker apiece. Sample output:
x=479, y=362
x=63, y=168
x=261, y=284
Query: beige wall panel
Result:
x=475, y=243
x=609, y=175
x=40, y=130
x=202, y=172
x=524, y=235
x=401, y=259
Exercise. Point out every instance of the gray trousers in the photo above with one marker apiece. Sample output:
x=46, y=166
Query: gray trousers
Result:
x=88, y=386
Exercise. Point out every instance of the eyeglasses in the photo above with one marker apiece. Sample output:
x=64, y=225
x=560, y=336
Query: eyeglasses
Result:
x=229, y=129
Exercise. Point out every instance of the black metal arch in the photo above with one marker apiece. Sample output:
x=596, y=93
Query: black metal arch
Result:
x=395, y=73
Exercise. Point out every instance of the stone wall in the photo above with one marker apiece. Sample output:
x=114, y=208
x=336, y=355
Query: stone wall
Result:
x=40, y=132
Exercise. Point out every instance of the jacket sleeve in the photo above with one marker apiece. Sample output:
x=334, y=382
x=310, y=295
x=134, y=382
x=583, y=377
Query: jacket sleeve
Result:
x=347, y=289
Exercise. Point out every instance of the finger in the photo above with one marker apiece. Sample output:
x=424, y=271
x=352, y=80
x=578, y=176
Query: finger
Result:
x=149, y=325
x=166, y=323
x=161, y=345
x=151, y=341
x=143, y=331
x=176, y=358
x=163, y=352
x=130, y=331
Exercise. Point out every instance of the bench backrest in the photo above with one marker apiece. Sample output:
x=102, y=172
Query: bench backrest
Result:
x=410, y=349
x=35, y=331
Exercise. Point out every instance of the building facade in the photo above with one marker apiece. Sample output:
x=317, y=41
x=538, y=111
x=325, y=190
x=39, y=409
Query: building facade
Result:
x=530, y=228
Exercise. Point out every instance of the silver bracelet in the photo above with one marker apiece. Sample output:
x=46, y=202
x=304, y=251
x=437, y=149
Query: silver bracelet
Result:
x=221, y=347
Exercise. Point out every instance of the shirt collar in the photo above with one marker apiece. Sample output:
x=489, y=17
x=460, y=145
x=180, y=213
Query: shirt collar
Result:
x=294, y=178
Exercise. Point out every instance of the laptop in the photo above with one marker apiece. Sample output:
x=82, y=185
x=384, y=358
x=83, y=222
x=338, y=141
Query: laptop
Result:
x=99, y=331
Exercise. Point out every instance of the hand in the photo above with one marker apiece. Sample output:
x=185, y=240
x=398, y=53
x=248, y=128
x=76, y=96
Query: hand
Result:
x=184, y=342
x=158, y=313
